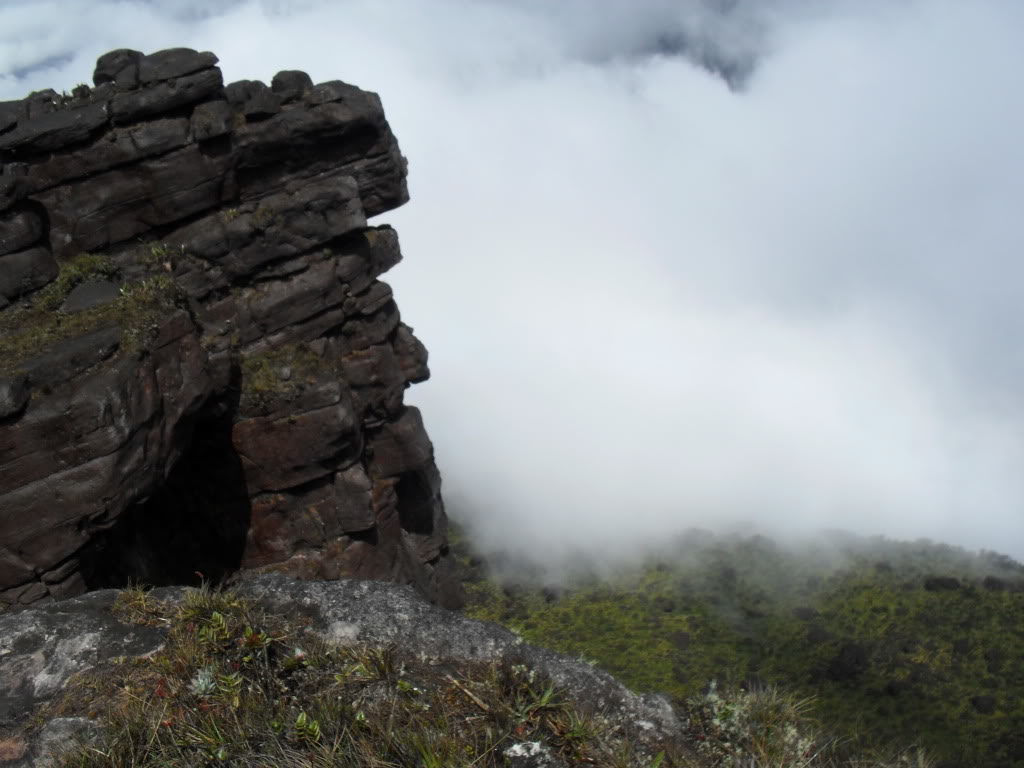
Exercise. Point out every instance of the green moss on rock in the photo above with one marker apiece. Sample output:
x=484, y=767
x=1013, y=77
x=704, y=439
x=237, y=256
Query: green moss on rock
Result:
x=85, y=266
x=280, y=373
x=31, y=329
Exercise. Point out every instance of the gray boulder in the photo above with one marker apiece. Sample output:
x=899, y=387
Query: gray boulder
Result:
x=41, y=647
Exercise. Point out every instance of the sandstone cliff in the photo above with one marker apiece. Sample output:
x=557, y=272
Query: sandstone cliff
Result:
x=199, y=369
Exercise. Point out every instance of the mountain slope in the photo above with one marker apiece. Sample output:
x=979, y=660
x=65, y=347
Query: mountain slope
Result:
x=898, y=643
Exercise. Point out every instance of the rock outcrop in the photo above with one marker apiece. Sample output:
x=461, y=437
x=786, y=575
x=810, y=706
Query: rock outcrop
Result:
x=199, y=369
x=43, y=647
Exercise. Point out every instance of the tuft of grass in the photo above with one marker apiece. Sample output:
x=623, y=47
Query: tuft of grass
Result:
x=277, y=373
x=159, y=256
x=85, y=266
x=767, y=727
x=235, y=686
x=134, y=605
x=263, y=218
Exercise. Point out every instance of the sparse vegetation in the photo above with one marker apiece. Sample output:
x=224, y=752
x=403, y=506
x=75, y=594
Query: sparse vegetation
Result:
x=263, y=218
x=31, y=328
x=235, y=686
x=277, y=373
x=85, y=266
x=160, y=256
x=766, y=726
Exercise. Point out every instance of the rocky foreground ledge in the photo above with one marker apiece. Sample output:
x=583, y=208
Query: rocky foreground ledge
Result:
x=199, y=369
x=45, y=649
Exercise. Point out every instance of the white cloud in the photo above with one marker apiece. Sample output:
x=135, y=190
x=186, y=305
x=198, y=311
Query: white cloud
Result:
x=652, y=301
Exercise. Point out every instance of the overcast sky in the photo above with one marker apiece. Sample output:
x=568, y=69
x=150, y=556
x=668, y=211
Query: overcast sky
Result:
x=677, y=263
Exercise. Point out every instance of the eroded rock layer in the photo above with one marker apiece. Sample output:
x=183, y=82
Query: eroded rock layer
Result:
x=200, y=370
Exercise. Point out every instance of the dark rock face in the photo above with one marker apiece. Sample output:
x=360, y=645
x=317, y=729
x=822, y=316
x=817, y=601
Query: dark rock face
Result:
x=14, y=393
x=18, y=230
x=200, y=371
x=89, y=294
x=26, y=271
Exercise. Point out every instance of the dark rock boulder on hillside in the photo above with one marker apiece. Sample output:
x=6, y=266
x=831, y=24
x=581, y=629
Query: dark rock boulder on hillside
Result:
x=200, y=370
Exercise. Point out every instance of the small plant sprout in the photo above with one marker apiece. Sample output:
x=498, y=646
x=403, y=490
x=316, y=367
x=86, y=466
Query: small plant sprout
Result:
x=296, y=659
x=252, y=639
x=204, y=682
x=306, y=728
x=230, y=686
x=216, y=630
x=408, y=688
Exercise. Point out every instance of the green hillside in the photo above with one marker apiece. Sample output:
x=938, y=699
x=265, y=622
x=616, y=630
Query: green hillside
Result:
x=911, y=644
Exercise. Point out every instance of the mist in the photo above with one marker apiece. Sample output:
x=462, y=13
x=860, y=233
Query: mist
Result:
x=725, y=264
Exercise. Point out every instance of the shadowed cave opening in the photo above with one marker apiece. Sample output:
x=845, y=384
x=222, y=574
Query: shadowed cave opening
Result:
x=191, y=529
x=416, y=495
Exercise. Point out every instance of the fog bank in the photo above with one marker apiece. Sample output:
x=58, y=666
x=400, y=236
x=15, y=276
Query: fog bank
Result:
x=715, y=264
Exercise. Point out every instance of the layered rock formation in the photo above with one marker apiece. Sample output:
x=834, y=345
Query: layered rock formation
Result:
x=199, y=369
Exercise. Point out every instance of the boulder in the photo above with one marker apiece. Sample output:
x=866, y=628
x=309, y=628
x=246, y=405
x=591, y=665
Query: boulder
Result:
x=166, y=96
x=173, y=63
x=14, y=394
x=291, y=84
x=12, y=189
x=253, y=99
x=42, y=648
x=10, y=111
x=25, y=271
x=210, y=120
x=120, y=67
x=19, y=229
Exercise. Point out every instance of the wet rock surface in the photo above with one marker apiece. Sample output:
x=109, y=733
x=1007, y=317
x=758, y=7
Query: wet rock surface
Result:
x=200, y=370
